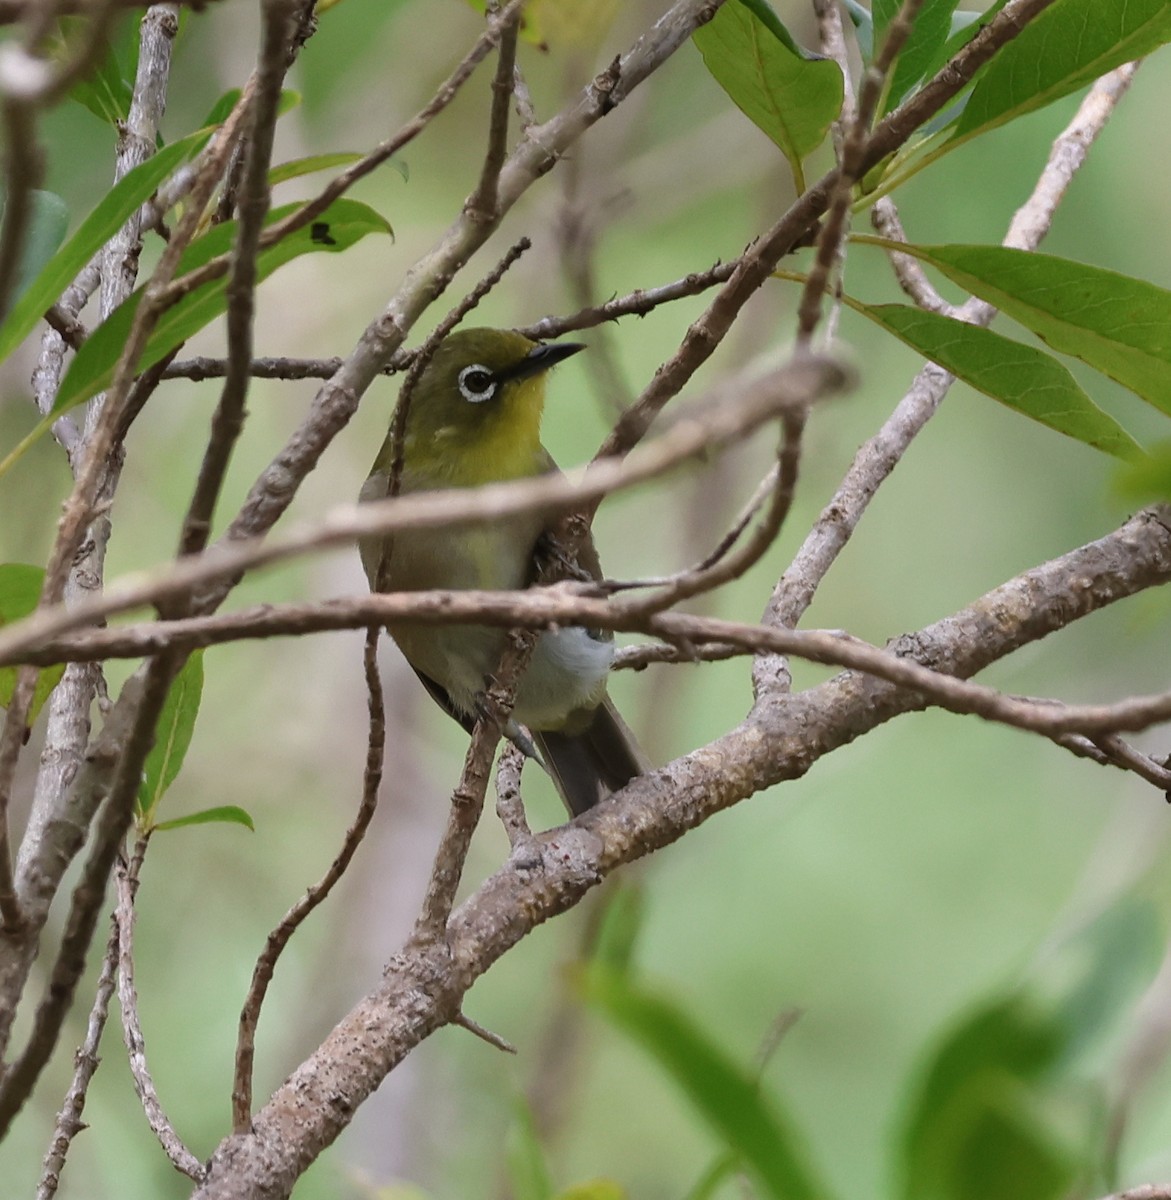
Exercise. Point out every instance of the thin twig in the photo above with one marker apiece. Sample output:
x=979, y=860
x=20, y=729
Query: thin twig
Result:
x=636, y=303
x=708, y=427
x=481, y=205
x=255, y=196
x=831, y=236
x=126, y=882
x=509, y=805
x=85, y=1064
x=467, y=801
x=485, y=1035
x=761, y=258
x=875, y=461
x=542, y=608
x=718, y=569
x=278, y=939
x=146, y=692
x=909, y=272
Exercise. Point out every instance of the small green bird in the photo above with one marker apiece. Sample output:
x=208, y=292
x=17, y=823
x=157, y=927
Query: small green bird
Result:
x=475, y=418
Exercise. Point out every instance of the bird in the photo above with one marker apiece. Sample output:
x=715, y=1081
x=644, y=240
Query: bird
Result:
x=474, y=418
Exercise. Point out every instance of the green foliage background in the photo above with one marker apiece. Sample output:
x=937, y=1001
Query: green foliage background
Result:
x=906, y=880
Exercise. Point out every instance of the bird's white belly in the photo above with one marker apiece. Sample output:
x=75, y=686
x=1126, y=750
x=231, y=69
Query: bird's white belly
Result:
x=568, y=668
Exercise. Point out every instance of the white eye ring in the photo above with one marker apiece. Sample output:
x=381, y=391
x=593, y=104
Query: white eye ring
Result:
x=476, y=384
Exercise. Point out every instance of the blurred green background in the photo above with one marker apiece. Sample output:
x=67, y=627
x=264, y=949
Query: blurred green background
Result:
x=904, y=880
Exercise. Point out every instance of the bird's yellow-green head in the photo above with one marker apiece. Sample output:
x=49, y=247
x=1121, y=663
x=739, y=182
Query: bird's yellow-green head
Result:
x=475, y=415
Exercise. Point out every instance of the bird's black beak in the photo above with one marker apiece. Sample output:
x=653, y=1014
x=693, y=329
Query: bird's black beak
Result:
x=539, y=359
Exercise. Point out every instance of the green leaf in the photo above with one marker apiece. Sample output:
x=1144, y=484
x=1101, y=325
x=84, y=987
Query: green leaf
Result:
x=975, y=1128
x=343, y=224
x=1118, y=325
x=929, y=33
x=48, y=222
x=1147, y=481
x=964, y=27
x=173, y=732
x=1100, y=971
x=863, y=21
x=527, y=1170
x=325, y=162
x=106, y=90
x=620, y=924
x=728, y=1098
x=20, y=592
x=594, y=1189
x=226, y=814
x=222, y=108
x=127, y=195
x=306, y=166
x=793, y=99
x=1065, y=48
x=717, y=1174
x=1022, y=377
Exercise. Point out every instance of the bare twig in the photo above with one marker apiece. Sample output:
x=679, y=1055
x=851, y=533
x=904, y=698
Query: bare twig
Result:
x=278, y=939
x=424, y=985
x=85, y=1064
x=636, y=303
x=721, y=567
x=1136, y=557
x=126, y=880
x=145, y=692
x=56, y=830
x=467, y=801
x=884, y=216
x=710, y=426
x=485, y=1035
x=852, y=153
x=876, y=460
x=228, y=421
x=760, y=259
x=481, y=205
x=509, y=806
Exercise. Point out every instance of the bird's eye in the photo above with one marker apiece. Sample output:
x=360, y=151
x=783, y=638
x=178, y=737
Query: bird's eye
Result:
x=476, y=384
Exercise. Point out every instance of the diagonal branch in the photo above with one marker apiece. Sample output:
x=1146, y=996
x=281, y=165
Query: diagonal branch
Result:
x=424, y=985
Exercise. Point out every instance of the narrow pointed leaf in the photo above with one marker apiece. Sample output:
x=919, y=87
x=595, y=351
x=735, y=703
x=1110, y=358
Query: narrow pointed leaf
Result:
x=173, y=732
x=928, y=34
x=224, y=814
x=222, y=108
x=1022, y=377
x=528, y=1171
x=594, y=1189
x=1147, y=481
x=46, y=231
x=306, y=166
x=104, y=90
x=976, y=1126
x=20, y=590
x=863, y=21
x=127, y=195
x=1065, y=48
x=728, y=1098
x=338, y=228
x=1119, y=325
x=711, y=1182
x=790, y=97
x=964, y=27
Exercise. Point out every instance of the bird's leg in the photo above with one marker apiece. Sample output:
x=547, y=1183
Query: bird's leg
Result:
x=551, y=562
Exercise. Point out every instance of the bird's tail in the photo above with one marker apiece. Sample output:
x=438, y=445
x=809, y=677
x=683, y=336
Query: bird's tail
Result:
x=590, y=765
